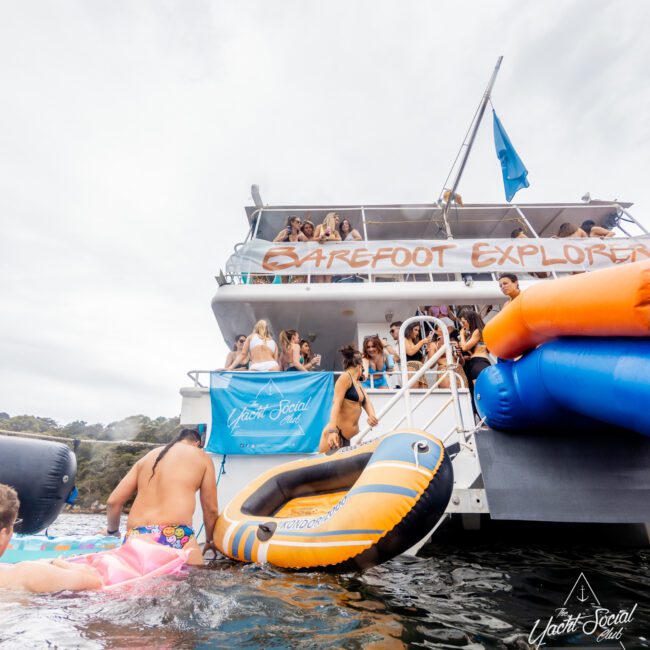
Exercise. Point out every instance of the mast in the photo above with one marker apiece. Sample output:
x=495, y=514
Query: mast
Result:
x=478, y=116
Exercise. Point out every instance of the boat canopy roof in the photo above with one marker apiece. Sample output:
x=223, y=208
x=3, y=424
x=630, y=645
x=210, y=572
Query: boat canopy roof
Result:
x=479, y=220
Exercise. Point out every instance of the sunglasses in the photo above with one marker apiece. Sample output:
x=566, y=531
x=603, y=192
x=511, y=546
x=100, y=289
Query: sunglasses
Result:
x=241, y=341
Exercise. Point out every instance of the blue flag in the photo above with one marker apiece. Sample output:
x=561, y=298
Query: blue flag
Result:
x=269, y=412
x=514, y=172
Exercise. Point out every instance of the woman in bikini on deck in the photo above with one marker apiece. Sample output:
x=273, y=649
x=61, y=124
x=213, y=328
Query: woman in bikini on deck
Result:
x=291, y=357
x=472, y=343
x=349, y=399
x=262, y=349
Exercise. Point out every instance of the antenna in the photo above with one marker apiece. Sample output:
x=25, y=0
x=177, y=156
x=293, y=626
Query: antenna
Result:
x=467, y=143
x=257, y=199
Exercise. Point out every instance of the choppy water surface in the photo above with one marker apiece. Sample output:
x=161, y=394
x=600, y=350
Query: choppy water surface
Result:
x=486, y=596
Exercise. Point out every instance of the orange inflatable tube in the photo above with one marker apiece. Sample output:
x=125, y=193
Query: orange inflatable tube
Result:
x=609, y=302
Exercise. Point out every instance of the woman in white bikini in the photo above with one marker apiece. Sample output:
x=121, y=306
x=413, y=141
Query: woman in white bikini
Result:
x=262, y=349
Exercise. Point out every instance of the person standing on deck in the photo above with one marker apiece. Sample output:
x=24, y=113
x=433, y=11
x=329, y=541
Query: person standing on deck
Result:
x=349, y=399
x=261, y=348
x=166, y=481
x=509, y=285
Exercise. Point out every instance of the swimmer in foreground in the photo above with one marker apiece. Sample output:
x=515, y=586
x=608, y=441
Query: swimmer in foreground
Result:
x=41, y=576
x=166, y=481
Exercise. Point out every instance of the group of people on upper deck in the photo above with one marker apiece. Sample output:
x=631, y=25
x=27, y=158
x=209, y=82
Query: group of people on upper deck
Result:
x=588, y=228
x=333, y=228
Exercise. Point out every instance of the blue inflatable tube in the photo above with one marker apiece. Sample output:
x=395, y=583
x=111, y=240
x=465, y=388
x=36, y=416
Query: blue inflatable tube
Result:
x=567, y=380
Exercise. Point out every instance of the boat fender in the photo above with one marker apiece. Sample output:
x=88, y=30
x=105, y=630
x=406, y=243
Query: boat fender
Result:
x=43, y=474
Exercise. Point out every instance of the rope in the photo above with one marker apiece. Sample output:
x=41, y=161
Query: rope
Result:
x=222, y=471
x=44, y=436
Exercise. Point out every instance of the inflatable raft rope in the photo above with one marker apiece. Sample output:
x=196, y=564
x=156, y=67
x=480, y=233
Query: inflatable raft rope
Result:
x=137, y=559
x=344, y=510
x=41, y=547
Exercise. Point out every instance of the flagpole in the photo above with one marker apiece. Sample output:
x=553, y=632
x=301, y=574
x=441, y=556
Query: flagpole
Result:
x=477, y=122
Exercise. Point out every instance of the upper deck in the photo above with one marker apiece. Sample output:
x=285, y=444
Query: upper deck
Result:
x=425, y=221
x=405, y=259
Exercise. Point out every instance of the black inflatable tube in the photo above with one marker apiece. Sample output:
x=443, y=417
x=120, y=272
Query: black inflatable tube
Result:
x=42, y=473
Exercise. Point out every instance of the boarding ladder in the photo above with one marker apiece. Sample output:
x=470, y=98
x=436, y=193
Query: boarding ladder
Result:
x=466, y=499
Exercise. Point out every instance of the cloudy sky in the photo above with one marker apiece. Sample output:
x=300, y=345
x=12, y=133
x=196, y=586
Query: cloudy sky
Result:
x=130, y=133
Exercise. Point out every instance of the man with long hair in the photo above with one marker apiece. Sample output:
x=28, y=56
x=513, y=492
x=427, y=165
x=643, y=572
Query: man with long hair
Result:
x=166, y=481
x=40, y=576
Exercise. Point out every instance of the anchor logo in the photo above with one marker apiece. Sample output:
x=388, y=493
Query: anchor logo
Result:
x=582, y=615
x=582, y=592
x=582, y=598
x=270, y=389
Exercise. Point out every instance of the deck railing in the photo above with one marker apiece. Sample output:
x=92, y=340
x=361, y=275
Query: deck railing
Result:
x=411, y=378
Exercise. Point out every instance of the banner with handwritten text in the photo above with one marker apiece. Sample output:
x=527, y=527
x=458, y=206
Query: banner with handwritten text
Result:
x=436, y=256
x=269, y=412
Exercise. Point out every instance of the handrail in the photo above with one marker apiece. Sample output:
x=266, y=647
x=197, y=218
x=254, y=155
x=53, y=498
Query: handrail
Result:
x=399, y=395
x=404, y=393
x=446, y=349
x=194, y=375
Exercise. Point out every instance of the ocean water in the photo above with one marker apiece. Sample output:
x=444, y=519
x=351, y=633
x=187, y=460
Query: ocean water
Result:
x=471, y=595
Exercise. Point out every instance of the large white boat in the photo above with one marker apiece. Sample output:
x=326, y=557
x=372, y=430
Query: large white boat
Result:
x=409, y=257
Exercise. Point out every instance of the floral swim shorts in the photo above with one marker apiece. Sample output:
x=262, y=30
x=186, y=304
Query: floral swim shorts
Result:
x=174, y=536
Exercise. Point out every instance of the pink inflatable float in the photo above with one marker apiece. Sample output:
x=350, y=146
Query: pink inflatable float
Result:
x=137, y=559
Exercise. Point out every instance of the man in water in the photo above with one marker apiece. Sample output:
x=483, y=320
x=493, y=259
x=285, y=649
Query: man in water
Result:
x=166, y=481
x=41, y=576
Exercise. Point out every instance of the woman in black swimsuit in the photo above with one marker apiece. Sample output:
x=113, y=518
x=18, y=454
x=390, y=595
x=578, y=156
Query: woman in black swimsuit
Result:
x=349, y=399
x=472, y=344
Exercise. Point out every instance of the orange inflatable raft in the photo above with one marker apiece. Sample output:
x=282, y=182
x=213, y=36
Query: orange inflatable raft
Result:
x=344, y=510
x=610, y=302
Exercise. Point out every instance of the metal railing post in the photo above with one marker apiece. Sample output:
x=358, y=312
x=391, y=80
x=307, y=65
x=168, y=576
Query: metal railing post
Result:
x=627, y=214
x=446, y=349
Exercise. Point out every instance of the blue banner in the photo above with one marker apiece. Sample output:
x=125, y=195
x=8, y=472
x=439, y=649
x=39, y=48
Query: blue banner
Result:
x=269, y=412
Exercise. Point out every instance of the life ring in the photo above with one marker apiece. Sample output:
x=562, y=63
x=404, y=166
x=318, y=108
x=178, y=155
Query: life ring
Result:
x=344, y=510
x=43, y=474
